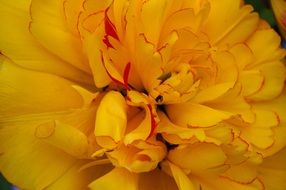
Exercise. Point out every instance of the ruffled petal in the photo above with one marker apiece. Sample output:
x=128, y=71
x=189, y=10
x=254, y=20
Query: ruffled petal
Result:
x=19, y=45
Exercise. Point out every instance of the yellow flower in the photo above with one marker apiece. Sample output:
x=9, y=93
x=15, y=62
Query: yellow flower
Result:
x=141, y=95
x=279, y=9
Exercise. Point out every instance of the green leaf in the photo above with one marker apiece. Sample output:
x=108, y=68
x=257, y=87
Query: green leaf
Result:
x=4, y=185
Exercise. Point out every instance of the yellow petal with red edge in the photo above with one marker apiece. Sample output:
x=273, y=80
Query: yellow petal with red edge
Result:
x=273, y=171
x=190, y=114
x=225, y=20
x=212, y=92
x=111, y=119
x=148, y=63
x=261, y=39
x=233, y=103
x=197, y=158
x=276, y=105
x=71, y=11
x=274, y=77
x=156, y=180
x=22, y=94
x=279, y=133
x=182, y=180
x=242, y=54
x=241, y=30
x=278, y=7
x=63, y=136
x=182, y=19
x=252, y=81
x=142, y=131
x=227, y=70
x=168, y=129
x=93, y=46
x=50, y=30
x=259, y=137
x=249, y=169
x=152, y=24
x=75, y=179
x=224, y=183
x=40, y=163
x=138, y=157
x=18, y=44
x=117, y=178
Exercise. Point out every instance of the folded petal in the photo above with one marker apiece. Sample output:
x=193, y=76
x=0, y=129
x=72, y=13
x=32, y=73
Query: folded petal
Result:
x=111, y=119
x=63, y=136
x=182, y=180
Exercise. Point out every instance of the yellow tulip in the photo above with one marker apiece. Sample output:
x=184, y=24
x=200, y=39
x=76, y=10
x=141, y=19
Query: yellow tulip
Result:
x=141, y=95
x=279, y=9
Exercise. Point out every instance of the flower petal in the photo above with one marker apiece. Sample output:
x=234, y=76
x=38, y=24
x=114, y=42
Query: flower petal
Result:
x=261, y=39
x=39, y=162
x=22, y=94
x=182, y=180
x=63, y=136
x=207, y=156
x=19, y=45
x=118, y=177
x=111, y=119
x=75, y=179
x=50, y=30
x=156, y=180
x=273, y=171
x=190, y=114
x=93, y=45
x=274, y=77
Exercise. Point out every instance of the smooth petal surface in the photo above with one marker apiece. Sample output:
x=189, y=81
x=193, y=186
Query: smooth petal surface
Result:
x=198, y=157
x=75, y=178
x=123, y=178
x=16, y=162
x=26, y=95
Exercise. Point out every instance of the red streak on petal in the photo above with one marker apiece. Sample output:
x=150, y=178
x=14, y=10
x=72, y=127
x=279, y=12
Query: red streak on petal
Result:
x=106, y=41
x=112, y=78
x=109, y=27
x=283, y=19
x=110, y=30
x=126, y=75
x=153, y=122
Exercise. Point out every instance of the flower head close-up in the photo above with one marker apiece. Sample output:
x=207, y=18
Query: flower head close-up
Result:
x=141, y=95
